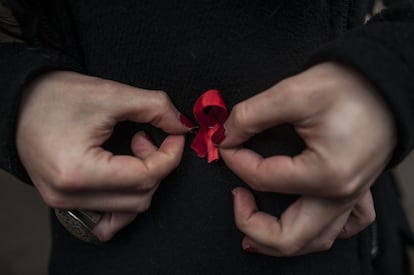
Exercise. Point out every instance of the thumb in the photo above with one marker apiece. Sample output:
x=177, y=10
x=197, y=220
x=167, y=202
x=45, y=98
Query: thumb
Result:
x=244, y=206
x=277, y=105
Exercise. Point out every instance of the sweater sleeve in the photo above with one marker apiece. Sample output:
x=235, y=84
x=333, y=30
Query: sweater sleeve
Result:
x=383, y=51
x=19, y=63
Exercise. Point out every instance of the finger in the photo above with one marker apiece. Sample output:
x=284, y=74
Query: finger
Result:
x=104, y=171
x=327, y=237
x=302, y=174
x=113, y=200
x=167, y=157
x=142, y=146
x=111, y=223
x=145, y=106
x=362, y=215
x=299, y=225
x=106, y=201
x=130, y=171
x=279, y=104
x=322, y=242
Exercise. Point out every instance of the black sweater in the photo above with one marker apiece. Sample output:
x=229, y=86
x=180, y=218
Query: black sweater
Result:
x=240, y=48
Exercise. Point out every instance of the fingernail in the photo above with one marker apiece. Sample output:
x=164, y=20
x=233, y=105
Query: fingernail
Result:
x=250, y=249
x=186, y=121
x=219, y=135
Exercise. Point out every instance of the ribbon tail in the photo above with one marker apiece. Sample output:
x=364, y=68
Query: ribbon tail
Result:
x=212, y=153
x=199, y=144
x=212, y=150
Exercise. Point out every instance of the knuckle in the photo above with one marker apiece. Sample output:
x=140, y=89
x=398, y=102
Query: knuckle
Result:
x=289, y=250
x=289, y=247
x=162, y=99
x=145, y=187
x=256, y=183
x=68, y=180
x=343, y=183
x=324, y=246
x=66, y=174
x=144, y=205
x=106, y=234
x=146, y=184
x=241, y=118
x=240, y=115
x=288, y=90
x=244, y=223
x=339, y=190
x=369, y=217
x=168, y=162
x=241, y=223
x=54, y=200
x=105, y=86
x=289, y=86
x=174, y=162
x=346, y=190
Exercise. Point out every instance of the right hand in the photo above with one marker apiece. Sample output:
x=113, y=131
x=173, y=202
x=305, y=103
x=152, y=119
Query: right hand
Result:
x=65, y=118
x=350, y=137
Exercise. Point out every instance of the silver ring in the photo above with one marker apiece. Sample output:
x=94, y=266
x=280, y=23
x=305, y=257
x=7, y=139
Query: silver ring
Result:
x=80, y=223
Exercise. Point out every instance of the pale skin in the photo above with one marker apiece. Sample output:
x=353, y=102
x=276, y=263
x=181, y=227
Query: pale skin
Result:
x=65, y=118
x=350, y=137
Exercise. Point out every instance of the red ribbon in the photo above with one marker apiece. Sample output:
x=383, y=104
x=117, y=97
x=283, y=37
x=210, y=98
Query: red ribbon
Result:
x=210, y=112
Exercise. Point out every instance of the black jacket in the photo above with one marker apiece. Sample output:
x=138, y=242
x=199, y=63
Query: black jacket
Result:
x=240, y=48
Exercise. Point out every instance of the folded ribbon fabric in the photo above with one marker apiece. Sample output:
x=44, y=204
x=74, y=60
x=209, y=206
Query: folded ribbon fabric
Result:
x=211, y=113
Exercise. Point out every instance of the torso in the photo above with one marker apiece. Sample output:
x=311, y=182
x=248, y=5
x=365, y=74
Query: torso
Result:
x=186, y=48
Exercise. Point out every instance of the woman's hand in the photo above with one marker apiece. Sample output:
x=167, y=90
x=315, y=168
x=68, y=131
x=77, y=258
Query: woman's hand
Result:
x=310, y=224
x=64, y=119
x=349, y=135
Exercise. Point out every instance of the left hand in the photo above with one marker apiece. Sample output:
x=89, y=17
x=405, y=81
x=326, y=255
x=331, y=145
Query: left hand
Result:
x=64, y=119
x=350, y=136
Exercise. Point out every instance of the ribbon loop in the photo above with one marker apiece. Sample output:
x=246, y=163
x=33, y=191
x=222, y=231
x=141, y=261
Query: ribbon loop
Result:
x=211, y=113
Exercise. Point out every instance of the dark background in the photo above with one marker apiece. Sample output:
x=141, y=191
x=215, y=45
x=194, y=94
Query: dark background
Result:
x=24, y=225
